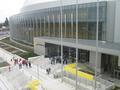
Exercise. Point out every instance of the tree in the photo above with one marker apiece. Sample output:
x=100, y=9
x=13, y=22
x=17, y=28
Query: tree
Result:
x=1, y=25
x=6, y=23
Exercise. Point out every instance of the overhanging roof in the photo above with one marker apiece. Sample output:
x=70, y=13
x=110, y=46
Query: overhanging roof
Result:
x=32, y=5
x=104, y=47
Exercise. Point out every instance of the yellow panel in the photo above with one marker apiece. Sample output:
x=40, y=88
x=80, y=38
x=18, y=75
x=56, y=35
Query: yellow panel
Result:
x=33, y=85
x=71, y=69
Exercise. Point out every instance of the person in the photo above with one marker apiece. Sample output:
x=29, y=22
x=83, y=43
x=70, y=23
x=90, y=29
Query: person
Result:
x=20, y=60
x=26, y=63
x=53, y=60
x=49, y=70
x=11, y=60
x=15, y=61
x=23, y=62
x=20, y=64
x=29, y=63
x=9, y=68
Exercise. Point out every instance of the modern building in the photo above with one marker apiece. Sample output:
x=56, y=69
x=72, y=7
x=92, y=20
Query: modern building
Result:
x=39, y=24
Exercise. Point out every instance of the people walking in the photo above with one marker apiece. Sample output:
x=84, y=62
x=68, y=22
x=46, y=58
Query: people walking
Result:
x=48, y=70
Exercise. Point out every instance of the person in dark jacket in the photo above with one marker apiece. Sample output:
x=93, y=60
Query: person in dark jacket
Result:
x=29, y=63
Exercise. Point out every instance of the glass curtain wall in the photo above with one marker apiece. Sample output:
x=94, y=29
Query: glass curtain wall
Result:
x=46, y=22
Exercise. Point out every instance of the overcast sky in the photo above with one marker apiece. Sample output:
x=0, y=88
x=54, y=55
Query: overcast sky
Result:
x=11, y=7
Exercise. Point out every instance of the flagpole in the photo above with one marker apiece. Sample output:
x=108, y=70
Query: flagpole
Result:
x=76, y=44
x=97, y=29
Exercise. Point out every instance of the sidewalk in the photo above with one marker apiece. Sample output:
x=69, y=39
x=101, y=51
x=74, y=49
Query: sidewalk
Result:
x=2, y=86
x=49, y=82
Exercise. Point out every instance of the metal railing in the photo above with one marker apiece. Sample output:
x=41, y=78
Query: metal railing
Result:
x=88, y=84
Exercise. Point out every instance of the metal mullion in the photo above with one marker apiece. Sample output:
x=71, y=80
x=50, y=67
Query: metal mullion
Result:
x=30, y=30
x=34, y=34
x=65, y=27
x=44, y=27
x=48, y=26
x=37, y=31
x=53, y=26
x=40, y=27
x=72, y=24
x=24, y=28
x=59, y=27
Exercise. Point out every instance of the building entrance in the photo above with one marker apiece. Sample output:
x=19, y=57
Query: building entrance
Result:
x=109, y=64
x=69, y=53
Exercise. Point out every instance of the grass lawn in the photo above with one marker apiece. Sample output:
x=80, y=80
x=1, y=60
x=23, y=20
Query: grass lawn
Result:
x=7, y=40
x=3, y=64
x=26, y=55
x=29, y=52
x=116, y=88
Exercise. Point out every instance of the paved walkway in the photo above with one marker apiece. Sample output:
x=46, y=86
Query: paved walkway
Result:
x=2, y=85
x=4, y=36
x=48, y=81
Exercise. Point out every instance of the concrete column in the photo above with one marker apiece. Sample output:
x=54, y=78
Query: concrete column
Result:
x=39, y=46
x=46, y=51
x=92, y=60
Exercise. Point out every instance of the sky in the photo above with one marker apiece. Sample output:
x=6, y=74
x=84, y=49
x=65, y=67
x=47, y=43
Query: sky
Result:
x=9, y=7
x=12, y=7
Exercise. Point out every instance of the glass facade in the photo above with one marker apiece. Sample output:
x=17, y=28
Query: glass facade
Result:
x=46, y=22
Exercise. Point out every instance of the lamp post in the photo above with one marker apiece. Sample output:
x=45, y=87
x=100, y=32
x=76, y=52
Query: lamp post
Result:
x=61, y=41
x=76, y=45
x=97, y=28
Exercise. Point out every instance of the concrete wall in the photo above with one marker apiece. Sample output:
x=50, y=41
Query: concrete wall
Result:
x=93, y=59
x=5, y=55
x=39, y=47
x=119, y=61
x=117, y=22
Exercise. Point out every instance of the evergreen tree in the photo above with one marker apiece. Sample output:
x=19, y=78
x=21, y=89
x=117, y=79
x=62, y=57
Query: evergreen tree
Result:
x=1, y=25
x=6, y=23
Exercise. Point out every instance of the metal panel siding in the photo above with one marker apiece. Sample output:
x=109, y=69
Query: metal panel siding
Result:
x=117, y=22
x=110, y=21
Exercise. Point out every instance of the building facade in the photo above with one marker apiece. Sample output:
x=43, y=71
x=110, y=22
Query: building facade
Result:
x=40, y=25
